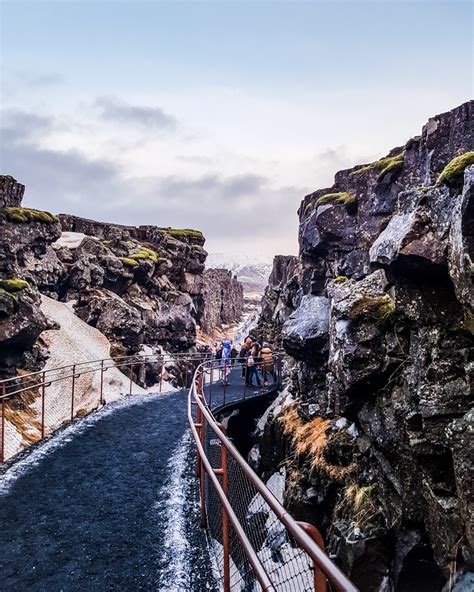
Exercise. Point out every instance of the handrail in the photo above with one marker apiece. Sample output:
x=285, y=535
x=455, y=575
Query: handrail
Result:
x=257, y=566
x=83, y=368
x=320, y=559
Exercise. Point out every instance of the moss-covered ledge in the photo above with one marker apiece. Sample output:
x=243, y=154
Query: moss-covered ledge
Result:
x=26, y=215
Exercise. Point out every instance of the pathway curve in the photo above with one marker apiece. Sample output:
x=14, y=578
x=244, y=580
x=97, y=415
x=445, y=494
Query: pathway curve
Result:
x=109, y=503
x=110, y=507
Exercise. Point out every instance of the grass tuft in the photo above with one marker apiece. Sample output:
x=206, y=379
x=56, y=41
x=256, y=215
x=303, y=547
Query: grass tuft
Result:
x=341, y=198
x=310, y=439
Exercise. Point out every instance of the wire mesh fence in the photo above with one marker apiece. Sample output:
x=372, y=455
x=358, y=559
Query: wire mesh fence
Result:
x=34, y=405
x=254, y=543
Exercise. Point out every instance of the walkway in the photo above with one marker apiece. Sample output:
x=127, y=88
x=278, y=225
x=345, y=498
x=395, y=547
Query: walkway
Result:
x=96, y=512
x=108, y=504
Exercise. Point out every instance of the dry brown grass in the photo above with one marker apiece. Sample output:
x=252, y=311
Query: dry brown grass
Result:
x=357, y=503
x=310, y=439
x=20, y=413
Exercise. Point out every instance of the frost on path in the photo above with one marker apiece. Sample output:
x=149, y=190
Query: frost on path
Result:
x=47, y=446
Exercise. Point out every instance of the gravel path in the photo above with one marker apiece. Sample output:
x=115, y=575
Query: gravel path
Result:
x=108, y=504
x=93, y=513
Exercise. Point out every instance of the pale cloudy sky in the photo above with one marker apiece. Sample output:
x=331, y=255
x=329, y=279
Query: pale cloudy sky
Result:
x=217, y=115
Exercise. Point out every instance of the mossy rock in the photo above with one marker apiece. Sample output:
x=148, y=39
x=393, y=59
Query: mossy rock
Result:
x=342, y=198
x=183, y=233
x=25, y=215
x=128, y=262
x=378, y=308
x=453, y=172
x=14, y=285
x=340, y=279
x=145, y=253
x=384, y=166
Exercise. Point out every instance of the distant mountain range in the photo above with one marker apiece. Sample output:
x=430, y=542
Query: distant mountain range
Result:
x=251, y=271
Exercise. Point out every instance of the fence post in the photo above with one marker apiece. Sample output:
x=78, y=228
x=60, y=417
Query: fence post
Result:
x=225, y=518
x=72, y=391
x=2, y=448
x=43, y=387
x=320, y=581
x=200, y=426
x=101, y=400
x=131, y=378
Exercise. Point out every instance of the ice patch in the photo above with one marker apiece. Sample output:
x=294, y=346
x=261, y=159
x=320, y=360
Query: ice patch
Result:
x=175, y=576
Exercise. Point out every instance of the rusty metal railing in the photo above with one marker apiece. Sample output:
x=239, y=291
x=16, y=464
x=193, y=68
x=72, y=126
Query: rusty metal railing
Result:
x=256, y=544
x=33, y=405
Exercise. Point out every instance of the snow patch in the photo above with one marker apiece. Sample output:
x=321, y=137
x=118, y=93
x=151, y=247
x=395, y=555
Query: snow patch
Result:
x=69, y=239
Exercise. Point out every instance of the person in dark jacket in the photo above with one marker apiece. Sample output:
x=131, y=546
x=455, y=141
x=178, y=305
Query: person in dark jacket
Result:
x=253, y=360
x=233, y=354
x=244, y=352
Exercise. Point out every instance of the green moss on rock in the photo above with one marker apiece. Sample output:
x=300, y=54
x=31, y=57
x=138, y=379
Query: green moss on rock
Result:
x=340, y=279
x=453, y=172
x=341, y=198
x=378, y=308
x=25, y=215
x=14, y=285
x=145, y=253
x=384, y=165
x=129, y=262
x=183, y=233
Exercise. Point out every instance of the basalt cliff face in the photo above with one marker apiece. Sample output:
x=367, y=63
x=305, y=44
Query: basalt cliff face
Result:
x=375, y=429
x=25, y=237
x=144, y=287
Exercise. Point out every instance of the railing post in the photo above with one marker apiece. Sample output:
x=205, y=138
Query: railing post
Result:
x=131, y=378
x=101, y=400
x=225, y=518
x=2, y=447
x=201, y=425
x=43, y=387
x=320, y=581
x=73, y=387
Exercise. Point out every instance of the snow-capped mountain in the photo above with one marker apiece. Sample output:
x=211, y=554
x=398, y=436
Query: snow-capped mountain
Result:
x=252, y=271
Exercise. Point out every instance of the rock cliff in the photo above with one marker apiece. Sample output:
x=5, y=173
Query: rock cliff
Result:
x=142, y=287
x=25, y=237
x=375, y=429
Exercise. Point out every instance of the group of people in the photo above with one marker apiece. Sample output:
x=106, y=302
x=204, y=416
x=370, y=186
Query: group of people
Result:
x=256, y=360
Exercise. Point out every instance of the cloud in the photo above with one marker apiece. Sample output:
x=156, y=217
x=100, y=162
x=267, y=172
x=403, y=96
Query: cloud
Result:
x=53, y=177
x=245, y=211
x=115, y=109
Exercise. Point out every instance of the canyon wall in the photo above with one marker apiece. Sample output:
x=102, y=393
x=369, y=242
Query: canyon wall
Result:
x=143, y=287
x=375, y=427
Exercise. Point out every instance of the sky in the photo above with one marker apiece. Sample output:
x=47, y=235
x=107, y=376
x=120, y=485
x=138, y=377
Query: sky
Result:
x=217, y=115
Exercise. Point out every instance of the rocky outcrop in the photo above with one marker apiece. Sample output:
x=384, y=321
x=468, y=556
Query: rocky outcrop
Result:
x=140, y=286
x=281, y=298
x=219, y=299
x=25, y=236
x=377, y=436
